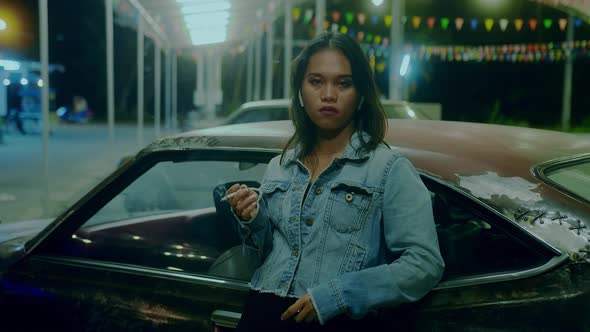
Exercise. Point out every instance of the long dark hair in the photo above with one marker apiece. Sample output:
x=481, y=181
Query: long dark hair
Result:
x=370, y=119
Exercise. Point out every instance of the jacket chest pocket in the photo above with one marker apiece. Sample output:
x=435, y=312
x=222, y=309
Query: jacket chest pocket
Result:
x=348, y=206
x=277, y=202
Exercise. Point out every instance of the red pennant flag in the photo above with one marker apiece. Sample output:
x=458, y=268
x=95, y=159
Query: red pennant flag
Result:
x=533, y=24
x=431, y=21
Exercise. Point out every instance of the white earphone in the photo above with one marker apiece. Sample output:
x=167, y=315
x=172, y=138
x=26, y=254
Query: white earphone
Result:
x=361, y=103
x=301, y=100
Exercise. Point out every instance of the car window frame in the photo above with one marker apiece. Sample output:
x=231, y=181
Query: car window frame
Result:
x=555, y=257
x=542, y=170
x=77, y=215
x=80, y=212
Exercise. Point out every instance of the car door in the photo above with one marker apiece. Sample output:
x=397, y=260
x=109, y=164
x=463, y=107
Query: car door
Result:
x=141, y=252
x=498, y=277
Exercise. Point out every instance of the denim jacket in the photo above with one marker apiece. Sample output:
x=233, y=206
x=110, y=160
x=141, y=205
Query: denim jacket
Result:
x=363, y=237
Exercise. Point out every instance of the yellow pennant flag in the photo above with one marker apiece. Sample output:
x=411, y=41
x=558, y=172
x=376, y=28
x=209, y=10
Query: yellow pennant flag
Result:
x=489, y=23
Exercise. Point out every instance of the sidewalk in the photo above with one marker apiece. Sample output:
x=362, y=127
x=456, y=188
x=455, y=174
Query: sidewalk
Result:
x=79, y=157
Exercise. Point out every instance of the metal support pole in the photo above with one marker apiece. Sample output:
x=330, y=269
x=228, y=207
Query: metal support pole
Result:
x=269, y=55
x=288, y=47
x=320, y=9
x=174, y=92
x=168, y=90
x=218, y=87
x=201, y=99
x=566, y=104
x=157, y=86
x=110, y=70
x=3, y=97
x=397, y=39
x=257, y=67
x=140, y=92
x=249, y=72
x=44, y=48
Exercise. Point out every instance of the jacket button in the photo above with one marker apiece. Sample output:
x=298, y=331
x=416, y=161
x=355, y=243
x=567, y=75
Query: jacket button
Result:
x=349, y=197
x=309, y=221
x=295, y=253
x=318, y=191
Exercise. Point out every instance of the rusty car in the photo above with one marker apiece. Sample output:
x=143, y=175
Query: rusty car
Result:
x=151, y=248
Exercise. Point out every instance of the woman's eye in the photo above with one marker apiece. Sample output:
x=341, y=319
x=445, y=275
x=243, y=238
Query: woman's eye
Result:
x=345, y=84
x=314, y=82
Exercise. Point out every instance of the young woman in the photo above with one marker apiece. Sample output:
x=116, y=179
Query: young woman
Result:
x=344, y=223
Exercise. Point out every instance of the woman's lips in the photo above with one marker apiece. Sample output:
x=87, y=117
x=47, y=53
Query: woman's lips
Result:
x=329, y=110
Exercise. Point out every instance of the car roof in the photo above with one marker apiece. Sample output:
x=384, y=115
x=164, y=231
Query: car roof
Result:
x=266, y=103
x=443, y=148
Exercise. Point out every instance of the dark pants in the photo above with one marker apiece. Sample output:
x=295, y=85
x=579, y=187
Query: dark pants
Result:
x=262, y=312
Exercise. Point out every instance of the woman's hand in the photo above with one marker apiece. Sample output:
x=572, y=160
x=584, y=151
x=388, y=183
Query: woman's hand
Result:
x=244, y=203
x=304, y=310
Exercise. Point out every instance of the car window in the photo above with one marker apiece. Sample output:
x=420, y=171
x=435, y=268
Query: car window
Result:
x=168, y=219
x=575, y=178
x=254, y=115
x=473, y=246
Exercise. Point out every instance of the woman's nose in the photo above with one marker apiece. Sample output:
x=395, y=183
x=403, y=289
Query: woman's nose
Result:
x=328, y=93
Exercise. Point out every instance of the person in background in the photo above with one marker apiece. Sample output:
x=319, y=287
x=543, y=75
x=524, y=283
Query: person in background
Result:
x=343, y=223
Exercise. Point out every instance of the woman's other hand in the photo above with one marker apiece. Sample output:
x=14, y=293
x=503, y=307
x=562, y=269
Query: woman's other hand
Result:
x=244, y=203
x=303, y=310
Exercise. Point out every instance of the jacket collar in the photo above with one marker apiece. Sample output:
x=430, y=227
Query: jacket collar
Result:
x=352, y=151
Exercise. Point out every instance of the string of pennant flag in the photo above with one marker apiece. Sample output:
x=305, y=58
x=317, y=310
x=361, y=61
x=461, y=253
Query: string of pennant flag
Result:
x=431, y=22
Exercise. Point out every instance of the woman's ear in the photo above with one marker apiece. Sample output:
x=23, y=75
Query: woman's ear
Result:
x=361, y=103
x=301, y=99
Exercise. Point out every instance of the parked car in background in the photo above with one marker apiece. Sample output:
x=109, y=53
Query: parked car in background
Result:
x=153, y=248
x=278, y=109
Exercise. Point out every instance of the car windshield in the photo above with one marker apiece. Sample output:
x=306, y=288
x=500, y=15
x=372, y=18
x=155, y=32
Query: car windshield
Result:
x=175, y=186
x=573, y=177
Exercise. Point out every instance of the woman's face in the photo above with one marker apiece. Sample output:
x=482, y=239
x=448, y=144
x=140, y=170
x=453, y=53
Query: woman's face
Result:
x=329, y=95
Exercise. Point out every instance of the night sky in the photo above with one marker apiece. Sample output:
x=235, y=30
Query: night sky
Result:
x=521, y=93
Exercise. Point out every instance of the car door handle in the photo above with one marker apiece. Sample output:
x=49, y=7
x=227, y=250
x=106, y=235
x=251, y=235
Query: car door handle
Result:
x=227, y=319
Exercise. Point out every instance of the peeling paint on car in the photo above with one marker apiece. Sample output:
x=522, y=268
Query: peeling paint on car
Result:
x=489, y=184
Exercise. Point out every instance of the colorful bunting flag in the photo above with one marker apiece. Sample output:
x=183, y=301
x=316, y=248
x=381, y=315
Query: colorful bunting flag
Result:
x=308, y=16
x=374, y=19
x=504, y=24
x=518, y=23
x=474, y=23
x=533, y=24
x=489, y=23
x=296, y=14
x=459, y=23
x=388, y=19
x=562, y=24
x=361, y=18
x=431, y=21
x=336, y=16
x=547, y=23
x=444, y=23
x=416, y=20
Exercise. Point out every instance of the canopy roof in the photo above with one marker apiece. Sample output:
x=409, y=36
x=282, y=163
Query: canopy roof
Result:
x=167, y=22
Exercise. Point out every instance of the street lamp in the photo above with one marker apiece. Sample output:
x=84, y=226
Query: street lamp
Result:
x=2, y=24
x=377, y=2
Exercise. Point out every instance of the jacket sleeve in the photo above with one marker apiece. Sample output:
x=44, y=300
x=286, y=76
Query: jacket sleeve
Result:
x=259, y=228
x=409, y=234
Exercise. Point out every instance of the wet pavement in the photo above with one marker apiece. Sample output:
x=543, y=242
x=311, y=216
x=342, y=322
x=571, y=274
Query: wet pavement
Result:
x=79, y=157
